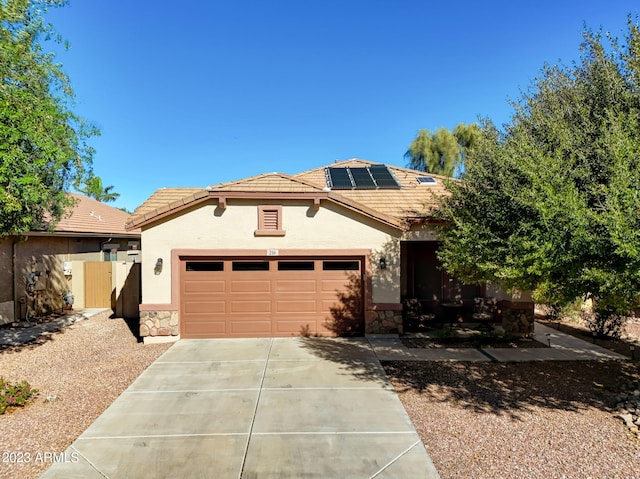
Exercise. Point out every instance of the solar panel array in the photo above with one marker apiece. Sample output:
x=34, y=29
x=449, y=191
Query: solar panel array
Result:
x=368, y=177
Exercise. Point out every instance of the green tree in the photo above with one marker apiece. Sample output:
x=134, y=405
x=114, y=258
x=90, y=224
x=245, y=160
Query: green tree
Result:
x=442, y=152
x=43, y=144
x=93, y=188
x=552, y=203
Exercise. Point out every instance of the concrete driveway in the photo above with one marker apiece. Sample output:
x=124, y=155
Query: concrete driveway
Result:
x=254, y=408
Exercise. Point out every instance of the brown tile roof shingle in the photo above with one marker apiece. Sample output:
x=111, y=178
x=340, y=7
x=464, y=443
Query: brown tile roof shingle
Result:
x=413, y=200
x=268, y=183
x=91, y=216
x=163, y=197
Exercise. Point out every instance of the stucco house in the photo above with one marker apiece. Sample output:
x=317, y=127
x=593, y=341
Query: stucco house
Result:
x=89, y=254
x=332, y=250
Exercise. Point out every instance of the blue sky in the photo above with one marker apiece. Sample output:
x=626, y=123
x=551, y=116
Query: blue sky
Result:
x=197, y=92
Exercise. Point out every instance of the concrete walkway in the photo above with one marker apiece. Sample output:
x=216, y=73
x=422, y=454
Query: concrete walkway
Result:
x=563, y=348
x=254, y=408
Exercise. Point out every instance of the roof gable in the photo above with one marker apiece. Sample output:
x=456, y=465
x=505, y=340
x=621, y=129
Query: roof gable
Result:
x=268, y=183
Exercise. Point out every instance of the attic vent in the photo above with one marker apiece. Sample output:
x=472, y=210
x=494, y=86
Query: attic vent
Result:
x=269, y=221
x=426, y=180
x=362, y=178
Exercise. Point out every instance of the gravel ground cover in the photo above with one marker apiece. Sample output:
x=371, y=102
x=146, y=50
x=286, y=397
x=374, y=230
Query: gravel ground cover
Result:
x=79, y=371
x=544, y=420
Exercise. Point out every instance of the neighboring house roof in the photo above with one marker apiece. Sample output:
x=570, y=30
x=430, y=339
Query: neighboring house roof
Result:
x=395, y=207
x=89, y=217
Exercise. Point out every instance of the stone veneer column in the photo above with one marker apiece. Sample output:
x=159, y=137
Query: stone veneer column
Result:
x=159, y=323
x=517, y=317
x=384, y=322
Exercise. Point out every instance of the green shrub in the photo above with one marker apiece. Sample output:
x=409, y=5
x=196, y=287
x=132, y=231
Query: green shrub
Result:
x=568, y=310
x=15, y=395
x=605, y=324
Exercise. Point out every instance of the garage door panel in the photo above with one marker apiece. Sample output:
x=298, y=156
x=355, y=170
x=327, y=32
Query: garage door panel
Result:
x=206, y=328
x=250, y=286
x=329, y=304
x=293, y=306
x=250, y=326
x=204, y=287
x=207, y=307
x=295, y=327
x=256, y=307
x=333, y=285
x=296, y=286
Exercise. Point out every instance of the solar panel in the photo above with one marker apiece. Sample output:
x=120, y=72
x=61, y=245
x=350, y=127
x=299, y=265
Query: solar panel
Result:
x=383, y=177
x=426, y=180
x=340, y=179
x=362, y=178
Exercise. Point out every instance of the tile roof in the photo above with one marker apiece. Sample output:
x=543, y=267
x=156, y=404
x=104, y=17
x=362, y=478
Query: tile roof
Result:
x=412, y=200
x=393, y=206
x=268, y=183
x=90, y=216
x=163, y=197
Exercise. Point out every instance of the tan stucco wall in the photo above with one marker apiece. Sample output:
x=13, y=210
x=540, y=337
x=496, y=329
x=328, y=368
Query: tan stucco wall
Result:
x=420, y=233
x=126, y=282
x=43, y=255
x=7, y=306
x=47, y=254
x=6, y=261
x=76, y=281
x=208, y=227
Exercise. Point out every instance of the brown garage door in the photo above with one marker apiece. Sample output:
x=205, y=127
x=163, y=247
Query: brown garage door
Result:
x=252, y=297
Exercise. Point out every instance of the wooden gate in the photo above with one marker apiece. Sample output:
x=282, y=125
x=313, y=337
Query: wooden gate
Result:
x=98, y=287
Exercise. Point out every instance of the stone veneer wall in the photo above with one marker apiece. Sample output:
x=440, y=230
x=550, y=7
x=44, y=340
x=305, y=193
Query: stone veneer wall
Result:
x=517, y=317
x=384, y=322
x=159, y=323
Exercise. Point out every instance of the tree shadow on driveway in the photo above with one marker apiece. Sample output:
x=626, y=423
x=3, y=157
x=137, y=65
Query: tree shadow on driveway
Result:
x=354, y=355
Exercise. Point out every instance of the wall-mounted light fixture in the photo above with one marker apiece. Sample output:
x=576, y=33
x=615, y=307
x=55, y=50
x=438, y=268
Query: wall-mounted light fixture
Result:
x=157, y=269
x=383, y=263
